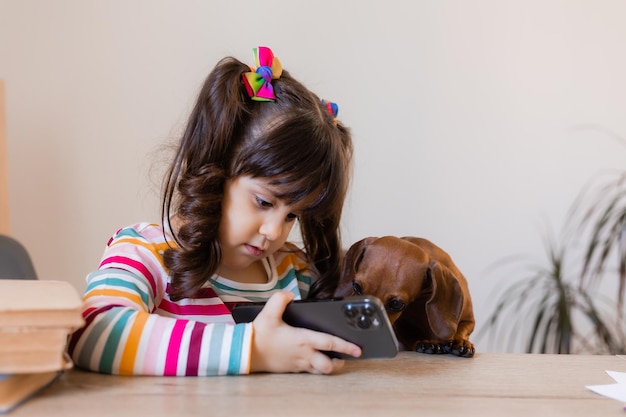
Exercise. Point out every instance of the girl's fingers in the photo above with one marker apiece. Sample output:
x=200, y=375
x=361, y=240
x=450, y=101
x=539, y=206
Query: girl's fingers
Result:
x=279, y=347
x=325, y=342
x=322, y=364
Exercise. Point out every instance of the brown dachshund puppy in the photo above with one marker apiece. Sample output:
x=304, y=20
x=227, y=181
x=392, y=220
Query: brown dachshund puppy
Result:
x=426, y=297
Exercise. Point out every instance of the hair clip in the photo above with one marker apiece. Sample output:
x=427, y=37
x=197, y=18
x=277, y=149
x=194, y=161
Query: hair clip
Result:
x=258, y=81
x=332, y=109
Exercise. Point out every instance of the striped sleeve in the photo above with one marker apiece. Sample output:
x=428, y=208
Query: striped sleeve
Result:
x=122, y=335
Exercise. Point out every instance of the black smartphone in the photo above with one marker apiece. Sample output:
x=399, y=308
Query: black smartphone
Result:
x=361, y=320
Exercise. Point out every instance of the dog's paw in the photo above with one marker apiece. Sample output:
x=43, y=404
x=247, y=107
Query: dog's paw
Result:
x=433, y=348
x=462, y=348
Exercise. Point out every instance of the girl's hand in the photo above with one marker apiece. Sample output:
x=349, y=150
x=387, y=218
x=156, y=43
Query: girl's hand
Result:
x=278, y=347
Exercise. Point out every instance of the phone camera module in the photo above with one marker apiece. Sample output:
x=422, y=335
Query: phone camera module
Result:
x=363, y=316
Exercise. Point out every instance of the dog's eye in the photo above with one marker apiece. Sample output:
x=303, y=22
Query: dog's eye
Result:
x=396, y=305
x=357, y=288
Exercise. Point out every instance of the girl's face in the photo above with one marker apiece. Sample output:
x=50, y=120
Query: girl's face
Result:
x=254, y=224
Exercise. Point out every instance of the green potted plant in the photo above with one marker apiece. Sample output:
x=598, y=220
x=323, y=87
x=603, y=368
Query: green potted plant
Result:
x=557, y=307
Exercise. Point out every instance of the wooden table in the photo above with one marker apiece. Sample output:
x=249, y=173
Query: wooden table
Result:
x=411, y=384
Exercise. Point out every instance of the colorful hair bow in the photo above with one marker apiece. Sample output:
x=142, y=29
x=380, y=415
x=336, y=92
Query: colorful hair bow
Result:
x=331, y=108
x=258, y=81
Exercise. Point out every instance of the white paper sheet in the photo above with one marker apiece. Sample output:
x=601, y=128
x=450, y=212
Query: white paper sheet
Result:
x=614, y=391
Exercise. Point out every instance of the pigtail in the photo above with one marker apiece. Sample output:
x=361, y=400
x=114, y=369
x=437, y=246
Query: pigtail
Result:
x=323, y=247
x=322, y=237
x=194, y=185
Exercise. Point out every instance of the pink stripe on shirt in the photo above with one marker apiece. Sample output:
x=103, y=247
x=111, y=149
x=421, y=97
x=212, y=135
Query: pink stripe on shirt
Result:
x=173, y=350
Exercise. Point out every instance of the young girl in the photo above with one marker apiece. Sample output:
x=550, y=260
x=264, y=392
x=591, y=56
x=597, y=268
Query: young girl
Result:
x=260, y=153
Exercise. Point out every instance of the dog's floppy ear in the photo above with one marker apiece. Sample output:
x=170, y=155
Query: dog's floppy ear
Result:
x=446, y=304
x=351, y=262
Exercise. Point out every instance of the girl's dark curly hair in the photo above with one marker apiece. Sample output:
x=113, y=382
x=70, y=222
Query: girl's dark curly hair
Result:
x=292, y=141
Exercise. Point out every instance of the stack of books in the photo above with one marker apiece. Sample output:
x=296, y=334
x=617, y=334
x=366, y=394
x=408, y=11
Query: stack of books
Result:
x=36, y=318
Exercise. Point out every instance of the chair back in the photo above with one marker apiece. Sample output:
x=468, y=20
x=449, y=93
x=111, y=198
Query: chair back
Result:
x=15, y=262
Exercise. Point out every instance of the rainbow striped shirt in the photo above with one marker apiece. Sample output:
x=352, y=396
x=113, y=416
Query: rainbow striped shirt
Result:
x=133, y=328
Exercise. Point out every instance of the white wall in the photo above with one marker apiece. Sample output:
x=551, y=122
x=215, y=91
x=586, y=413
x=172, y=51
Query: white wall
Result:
x=475, y=122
